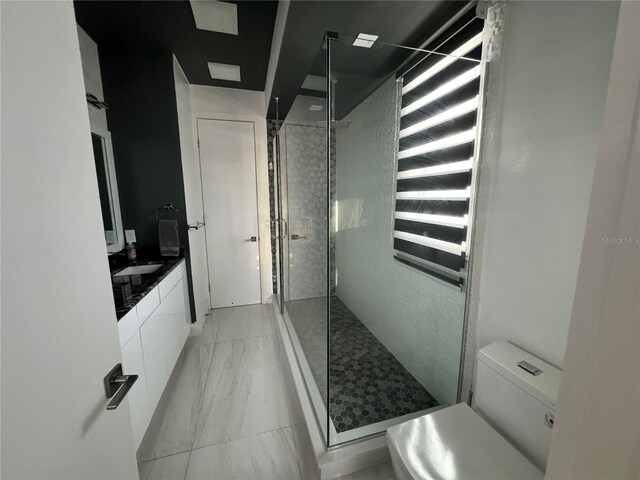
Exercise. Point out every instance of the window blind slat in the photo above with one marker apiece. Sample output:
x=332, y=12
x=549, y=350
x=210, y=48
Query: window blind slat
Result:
x=446, y=220
x=446, y=169
x=450, y=86
x=440, y=144
x=450, y=114
x=444, y=63
x=453, y=195
x=453, y=248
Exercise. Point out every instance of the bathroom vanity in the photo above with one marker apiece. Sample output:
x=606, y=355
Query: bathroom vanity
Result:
x=153, y=324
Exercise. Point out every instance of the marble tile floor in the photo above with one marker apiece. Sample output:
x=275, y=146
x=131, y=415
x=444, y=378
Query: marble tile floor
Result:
x=225, y=414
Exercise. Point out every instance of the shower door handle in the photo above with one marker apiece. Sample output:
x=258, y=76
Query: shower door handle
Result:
x=285, y=229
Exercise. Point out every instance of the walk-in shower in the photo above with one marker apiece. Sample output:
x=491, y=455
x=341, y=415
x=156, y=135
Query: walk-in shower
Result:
x=374, y=174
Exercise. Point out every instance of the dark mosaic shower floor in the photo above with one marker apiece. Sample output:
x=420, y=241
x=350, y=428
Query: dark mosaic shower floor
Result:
x=367, y=383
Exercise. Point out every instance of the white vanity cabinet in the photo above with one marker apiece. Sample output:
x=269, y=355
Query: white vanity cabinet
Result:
x=151, y=348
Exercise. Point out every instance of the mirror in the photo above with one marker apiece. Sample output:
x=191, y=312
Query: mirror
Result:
x=108, y=188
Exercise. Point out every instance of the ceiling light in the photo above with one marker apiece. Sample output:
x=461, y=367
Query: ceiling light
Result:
x=215, y=16
x=365, y=40
x=315, y=108
x=223, y=71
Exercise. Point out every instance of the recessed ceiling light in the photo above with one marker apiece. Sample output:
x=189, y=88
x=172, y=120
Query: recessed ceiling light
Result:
x=315, y=82
x=215, y=16
x=365, y=40
x=223, y=71
x=315, y=108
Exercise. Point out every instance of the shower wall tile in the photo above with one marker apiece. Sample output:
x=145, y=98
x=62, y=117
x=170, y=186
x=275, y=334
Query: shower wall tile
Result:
x=307, y=208
x=418, y=318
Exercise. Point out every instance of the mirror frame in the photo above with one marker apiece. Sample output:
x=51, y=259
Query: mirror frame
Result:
x=114, y=197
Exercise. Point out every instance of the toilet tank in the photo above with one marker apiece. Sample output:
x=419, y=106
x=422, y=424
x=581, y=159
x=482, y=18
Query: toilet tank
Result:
x=518, y=401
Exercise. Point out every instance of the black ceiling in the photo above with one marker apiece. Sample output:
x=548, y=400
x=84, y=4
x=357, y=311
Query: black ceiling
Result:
x=170, y=26
x=407, y=23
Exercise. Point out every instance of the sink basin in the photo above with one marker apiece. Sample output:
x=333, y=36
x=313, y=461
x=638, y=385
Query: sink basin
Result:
x=138, y=270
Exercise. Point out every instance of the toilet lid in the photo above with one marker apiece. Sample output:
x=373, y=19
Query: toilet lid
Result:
x=455, y=443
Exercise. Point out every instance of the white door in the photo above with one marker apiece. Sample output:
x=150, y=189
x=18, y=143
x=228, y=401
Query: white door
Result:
x=228, y=169
x=59, y=330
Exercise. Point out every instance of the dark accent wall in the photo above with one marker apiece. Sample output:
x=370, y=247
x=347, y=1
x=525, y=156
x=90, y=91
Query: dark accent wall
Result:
x=143, y=120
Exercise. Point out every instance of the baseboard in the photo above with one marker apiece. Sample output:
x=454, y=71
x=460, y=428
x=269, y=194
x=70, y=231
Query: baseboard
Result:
x=197, y=326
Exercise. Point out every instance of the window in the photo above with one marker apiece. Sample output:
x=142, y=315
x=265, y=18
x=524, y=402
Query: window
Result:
x=437, y=151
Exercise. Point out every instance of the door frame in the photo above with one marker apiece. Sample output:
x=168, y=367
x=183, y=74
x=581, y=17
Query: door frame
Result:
x=262, y=189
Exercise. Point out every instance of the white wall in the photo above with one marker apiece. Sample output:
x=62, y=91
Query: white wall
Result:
x=192, y=194
x=417, y=317
x=59, y=330
x=227, y=100
x=276, y=44
x=597, y=430
x=546, y=96
x=244, y=105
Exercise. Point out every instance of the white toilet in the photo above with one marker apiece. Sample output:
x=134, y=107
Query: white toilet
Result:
x=506, y=437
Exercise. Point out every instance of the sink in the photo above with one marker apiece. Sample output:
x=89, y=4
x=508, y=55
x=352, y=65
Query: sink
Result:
x=138, y=270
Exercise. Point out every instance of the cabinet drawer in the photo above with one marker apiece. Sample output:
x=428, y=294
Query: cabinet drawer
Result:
x=163, y=336
x=128, y=326
x=171, y=280
x=148, y=304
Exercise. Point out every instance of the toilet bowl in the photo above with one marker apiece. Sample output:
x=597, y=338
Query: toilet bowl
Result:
x=506, y=435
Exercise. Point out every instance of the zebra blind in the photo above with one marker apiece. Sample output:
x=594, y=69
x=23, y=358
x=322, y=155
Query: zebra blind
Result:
x=436, y=153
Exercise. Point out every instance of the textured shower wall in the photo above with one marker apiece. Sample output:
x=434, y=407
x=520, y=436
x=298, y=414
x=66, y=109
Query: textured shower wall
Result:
x=307, y=205
x=418, y=318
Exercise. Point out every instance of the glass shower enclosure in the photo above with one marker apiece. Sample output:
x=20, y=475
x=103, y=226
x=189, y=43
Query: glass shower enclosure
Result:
x=373, y=185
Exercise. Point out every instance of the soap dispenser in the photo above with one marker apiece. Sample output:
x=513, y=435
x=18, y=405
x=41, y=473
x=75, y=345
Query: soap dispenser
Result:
x=130, y=236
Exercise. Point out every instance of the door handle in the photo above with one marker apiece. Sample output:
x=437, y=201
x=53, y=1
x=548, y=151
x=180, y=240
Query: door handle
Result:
x=117, y=385
x=252, y=239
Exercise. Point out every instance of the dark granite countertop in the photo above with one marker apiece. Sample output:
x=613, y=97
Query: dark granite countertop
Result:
x=128, y=290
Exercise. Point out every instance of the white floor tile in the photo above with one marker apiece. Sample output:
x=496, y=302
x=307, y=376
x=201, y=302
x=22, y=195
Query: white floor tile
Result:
x=229, y=403
x=244, y=322
x=383, y=471
x=165, y=468
x=214, y=314
x=208, y=334
x=173, y=426
x=245, y=393
x=269, y=456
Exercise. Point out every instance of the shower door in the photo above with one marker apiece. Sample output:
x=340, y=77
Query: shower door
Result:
x=301, y=231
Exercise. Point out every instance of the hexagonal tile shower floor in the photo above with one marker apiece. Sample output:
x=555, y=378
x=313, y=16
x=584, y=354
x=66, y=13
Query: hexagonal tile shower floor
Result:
x=367, y=383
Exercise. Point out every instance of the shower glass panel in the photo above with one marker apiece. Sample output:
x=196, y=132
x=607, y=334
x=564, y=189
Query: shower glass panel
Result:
x=378, y=321
x=397, y=326
x=303, y=196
